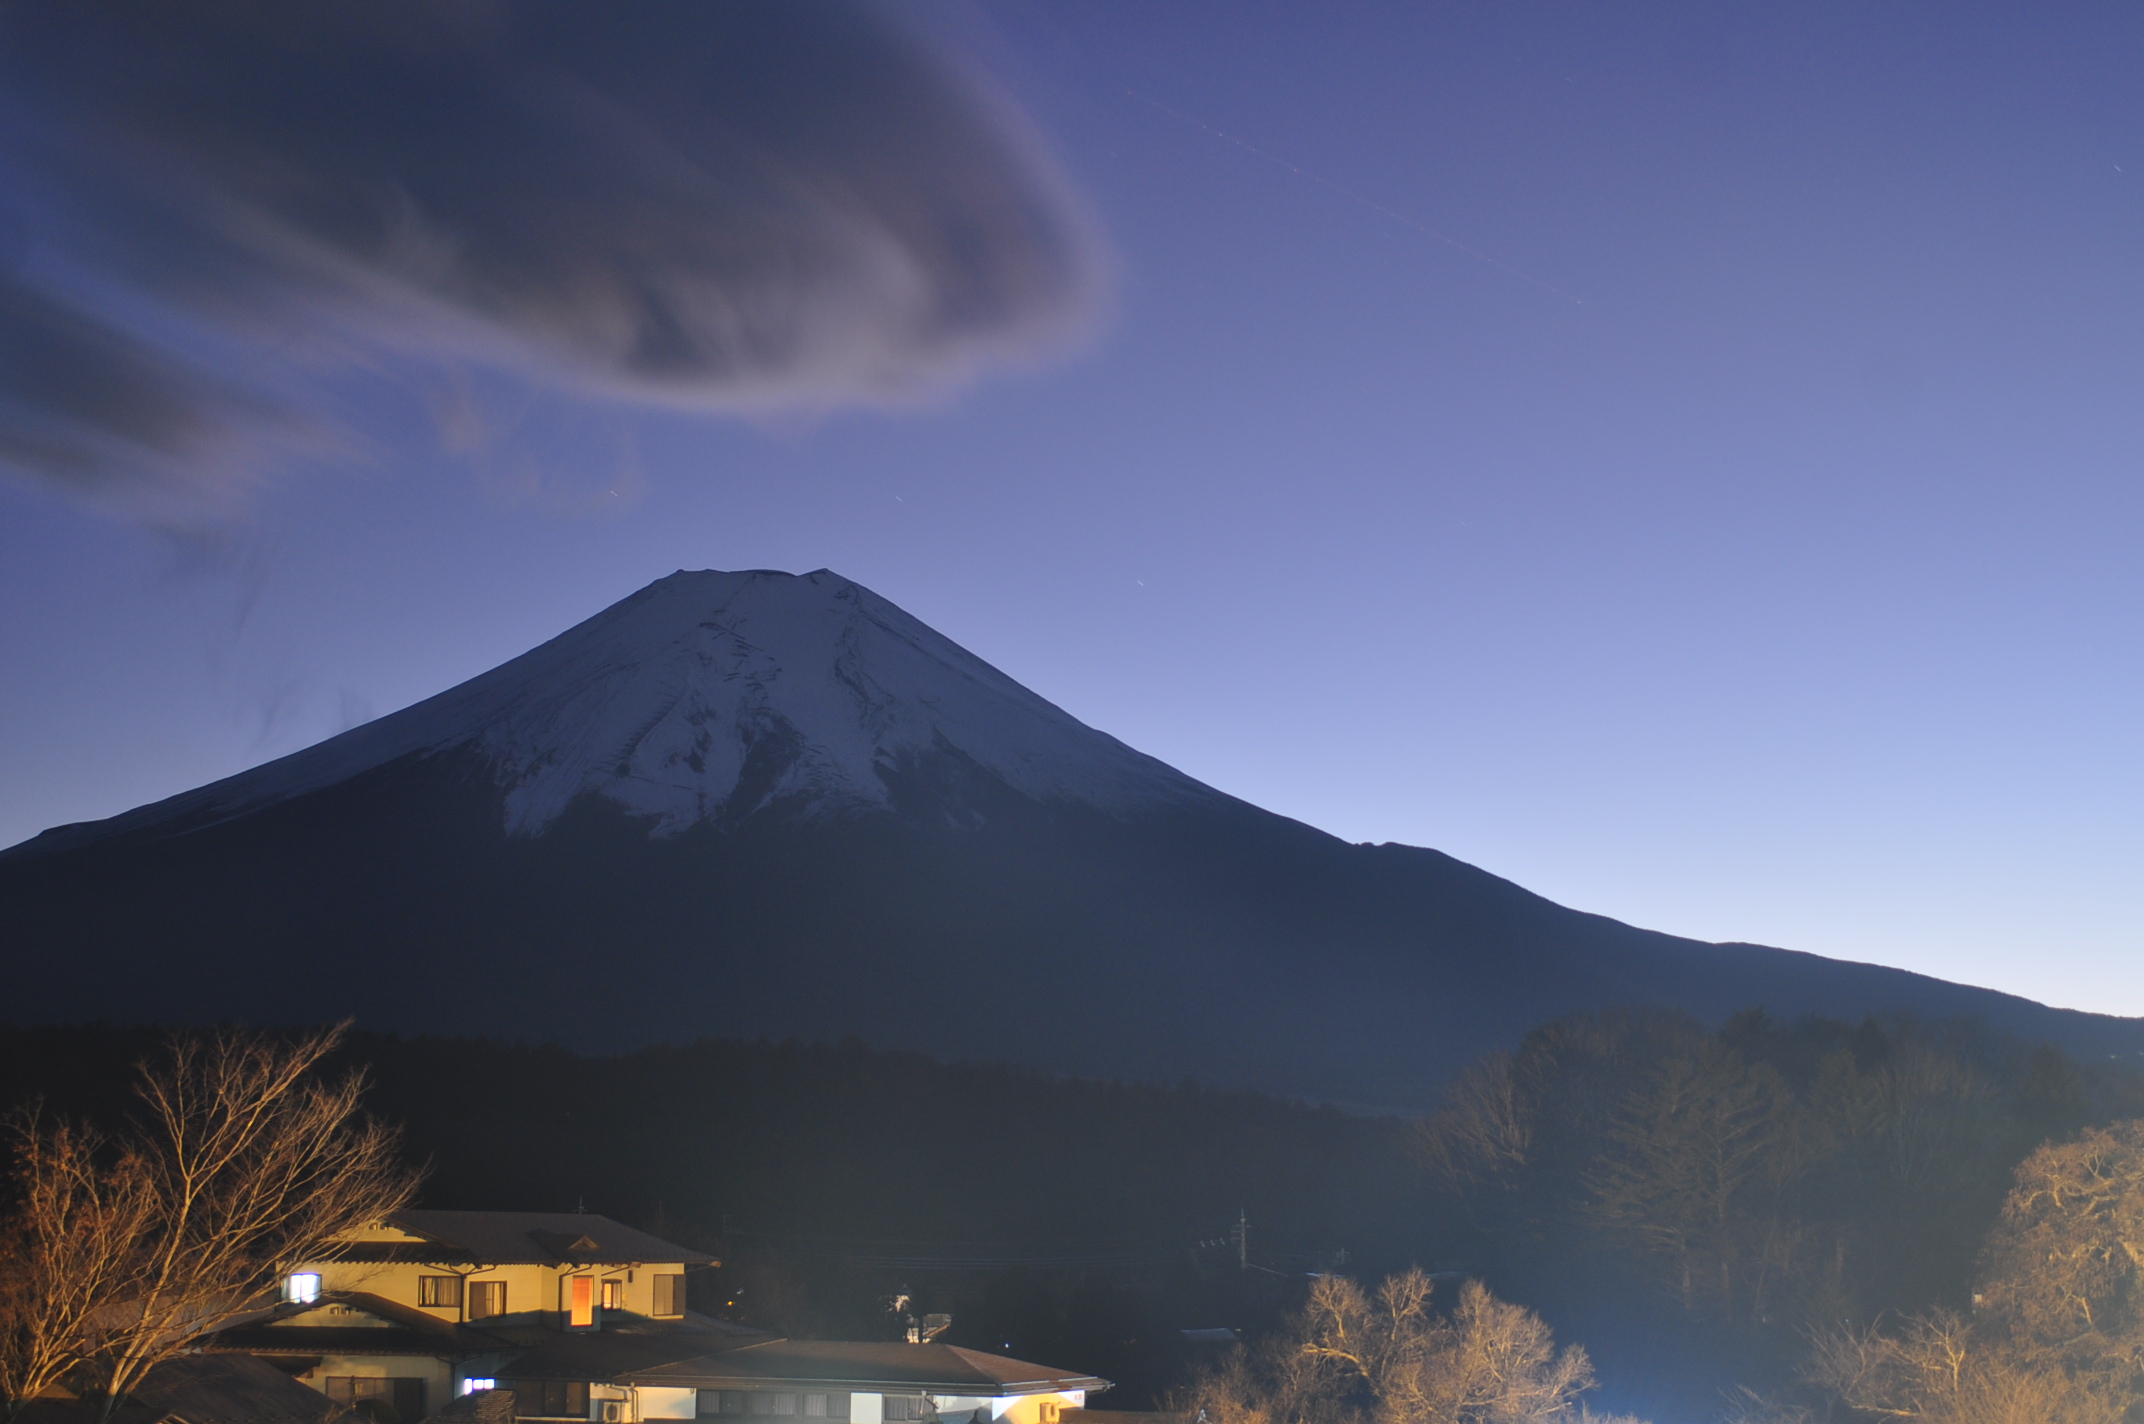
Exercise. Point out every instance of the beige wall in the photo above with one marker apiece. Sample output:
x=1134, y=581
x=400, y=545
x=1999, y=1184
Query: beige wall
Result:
x=438, y=1375
x=865, y=1408
x=1038, y=1408
x=527, y=1287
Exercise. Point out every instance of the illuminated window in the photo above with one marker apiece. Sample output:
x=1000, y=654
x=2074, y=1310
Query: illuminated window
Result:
x=486, y=1298
x=304, y=1286
x=471, y=1386
x=613, y=1295
x=439, y=1290
x=580, y=1301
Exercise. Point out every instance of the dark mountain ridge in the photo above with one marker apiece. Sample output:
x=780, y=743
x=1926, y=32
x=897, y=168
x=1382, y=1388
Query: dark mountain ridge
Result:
x=773, y=805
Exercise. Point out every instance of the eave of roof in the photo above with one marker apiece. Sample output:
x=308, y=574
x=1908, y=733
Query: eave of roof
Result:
x=521, y=1238
x=868, y=1366
x=331, y=1340
x=408, y=1331
x=603, y=1355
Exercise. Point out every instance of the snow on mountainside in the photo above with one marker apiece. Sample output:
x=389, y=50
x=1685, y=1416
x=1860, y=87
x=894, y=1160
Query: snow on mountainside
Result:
x=663, y=701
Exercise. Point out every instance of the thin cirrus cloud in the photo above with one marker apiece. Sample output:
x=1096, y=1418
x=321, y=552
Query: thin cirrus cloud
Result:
x=746, y=206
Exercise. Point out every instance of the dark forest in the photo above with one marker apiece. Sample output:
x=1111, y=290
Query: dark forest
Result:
x=1689, y=1205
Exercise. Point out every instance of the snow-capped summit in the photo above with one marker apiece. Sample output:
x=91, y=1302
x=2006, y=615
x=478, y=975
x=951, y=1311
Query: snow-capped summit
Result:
x=707, y=696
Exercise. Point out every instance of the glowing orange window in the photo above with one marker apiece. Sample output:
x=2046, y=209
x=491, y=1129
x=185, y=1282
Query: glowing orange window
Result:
x=584, y=1302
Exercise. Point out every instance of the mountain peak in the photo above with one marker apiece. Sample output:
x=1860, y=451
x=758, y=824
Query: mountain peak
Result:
x=708, y=696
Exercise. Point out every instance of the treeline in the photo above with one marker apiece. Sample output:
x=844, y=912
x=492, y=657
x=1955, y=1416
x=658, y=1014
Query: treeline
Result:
x=1691, y=1205
x=1694, y=1204
x=1062, y=1220
x=822, y=1145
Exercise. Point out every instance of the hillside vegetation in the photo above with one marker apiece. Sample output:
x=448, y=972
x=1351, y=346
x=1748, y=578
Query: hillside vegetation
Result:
x=1690, y=1206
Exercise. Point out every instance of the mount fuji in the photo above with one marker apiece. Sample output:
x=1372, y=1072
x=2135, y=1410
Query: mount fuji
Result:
x=768, y=804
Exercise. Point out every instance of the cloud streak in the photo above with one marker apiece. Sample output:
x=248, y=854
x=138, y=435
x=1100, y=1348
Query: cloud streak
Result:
x=753, y=205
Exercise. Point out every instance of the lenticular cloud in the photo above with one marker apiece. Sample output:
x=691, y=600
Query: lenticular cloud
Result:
x=748, y=205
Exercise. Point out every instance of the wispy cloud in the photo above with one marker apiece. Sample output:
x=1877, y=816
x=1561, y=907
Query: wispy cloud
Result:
x=747, y=206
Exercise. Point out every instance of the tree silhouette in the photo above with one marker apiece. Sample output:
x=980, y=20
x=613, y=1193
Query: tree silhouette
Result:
x=126, y=1246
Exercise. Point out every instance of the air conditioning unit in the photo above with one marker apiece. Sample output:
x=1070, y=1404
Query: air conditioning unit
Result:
x=615, y=1411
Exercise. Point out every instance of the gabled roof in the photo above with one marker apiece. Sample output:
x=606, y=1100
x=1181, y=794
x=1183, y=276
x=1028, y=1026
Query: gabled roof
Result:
x=520, y=1238
x=866, y=1365
x=230, y=1389
x=285, y=1330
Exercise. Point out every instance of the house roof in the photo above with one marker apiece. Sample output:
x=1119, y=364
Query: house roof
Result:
x=520, y=1238
x=207, y=1389
x=614, y=1354
x=285, y=1330
x=865, y=1365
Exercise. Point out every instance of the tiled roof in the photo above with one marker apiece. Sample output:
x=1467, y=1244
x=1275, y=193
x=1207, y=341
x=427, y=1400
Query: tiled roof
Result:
x=286, y=1330
x=521, y=1238
x=867, y=1365
x=614, y=1354
x=233, y=1389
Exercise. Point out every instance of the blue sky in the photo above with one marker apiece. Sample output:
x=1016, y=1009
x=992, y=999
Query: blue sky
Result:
x=1742, y=544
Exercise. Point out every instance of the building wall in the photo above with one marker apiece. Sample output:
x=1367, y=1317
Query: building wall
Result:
x=527, y=1287
x=668, y=1403
x=1034, y=1408
x=867, y=1407
x=441, y=1380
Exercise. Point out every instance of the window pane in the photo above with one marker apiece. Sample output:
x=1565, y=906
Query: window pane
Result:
x=669, y=1295
x=814, y=1406
x=439, y=1290
x=486, y=1298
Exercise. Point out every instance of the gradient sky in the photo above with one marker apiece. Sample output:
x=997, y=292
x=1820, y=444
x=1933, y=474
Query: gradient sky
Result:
x=1682, y=458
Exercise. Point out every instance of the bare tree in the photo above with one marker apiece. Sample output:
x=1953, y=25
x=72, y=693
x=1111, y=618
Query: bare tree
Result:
x=1347, y=1358
x=71, y=1243
x=2059, y=1334
x=1699, y=1154
x=1938, y=1369
x=2066, y=1264
x=243, y=1165
x=1483, y=1132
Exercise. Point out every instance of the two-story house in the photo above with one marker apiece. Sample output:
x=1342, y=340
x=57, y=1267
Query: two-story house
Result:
x=416, y=1308
x=583, y=1318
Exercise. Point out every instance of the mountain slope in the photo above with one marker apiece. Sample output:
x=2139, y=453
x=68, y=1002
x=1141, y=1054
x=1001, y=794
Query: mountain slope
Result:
x=759, y=803
x=708, y=697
